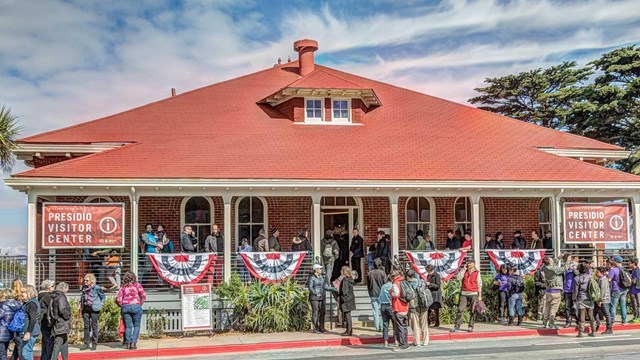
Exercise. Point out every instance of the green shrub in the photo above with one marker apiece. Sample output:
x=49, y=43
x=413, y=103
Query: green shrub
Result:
x=235, y=293
x=107, y=324
x=156, y=322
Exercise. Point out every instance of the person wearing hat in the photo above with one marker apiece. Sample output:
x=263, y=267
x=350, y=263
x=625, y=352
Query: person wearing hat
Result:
x=515, y=287
x=317, y=297
x=618, y=292
x=518, y=241
x=470, y=293
x=383, y=250
x=274, y=242
x=329, y=250
x=261, y=244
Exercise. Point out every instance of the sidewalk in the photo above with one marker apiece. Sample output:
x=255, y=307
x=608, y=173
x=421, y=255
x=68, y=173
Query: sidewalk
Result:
x=236, y=342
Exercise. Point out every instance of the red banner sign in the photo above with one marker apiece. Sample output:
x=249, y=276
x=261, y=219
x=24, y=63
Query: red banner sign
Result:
x=596, y=223
x=67, y=226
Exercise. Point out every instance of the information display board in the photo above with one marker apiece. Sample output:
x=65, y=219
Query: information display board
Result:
x=196, y=307
x=73, y=225
x=596, y=223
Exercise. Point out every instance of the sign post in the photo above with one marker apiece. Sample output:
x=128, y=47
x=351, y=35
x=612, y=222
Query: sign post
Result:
x=586, y=223
x=73, y=225
x=196, y=307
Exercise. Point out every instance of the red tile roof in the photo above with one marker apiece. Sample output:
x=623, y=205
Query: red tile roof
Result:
x=220, y=132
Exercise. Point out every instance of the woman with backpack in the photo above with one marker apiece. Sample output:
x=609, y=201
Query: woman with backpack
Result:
x=582, y=299
x=500, y=283
x=8, y=307
x=347, y=299
x=131, y=297
x=515, y=288
x=30, y=328
x=91, y=301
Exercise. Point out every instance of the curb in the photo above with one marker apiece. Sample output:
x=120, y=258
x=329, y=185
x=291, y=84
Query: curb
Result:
x=347, y=341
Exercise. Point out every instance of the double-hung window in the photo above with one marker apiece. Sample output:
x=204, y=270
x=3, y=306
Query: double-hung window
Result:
x=313, y=110
x=340, y=110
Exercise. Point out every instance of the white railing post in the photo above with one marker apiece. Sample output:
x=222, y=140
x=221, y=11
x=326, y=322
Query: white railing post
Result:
x=227, y=238
x=31, y=237
x=475, y=214
x=317, y=233
x=395, y=226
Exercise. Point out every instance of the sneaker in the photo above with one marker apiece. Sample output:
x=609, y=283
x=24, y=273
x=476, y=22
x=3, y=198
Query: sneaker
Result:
x=592, y=334
x=84, y=347
x=454, y=330
x=553, y=326
x=94, y=347
x=544, y=325
x=607, y=332
x=470, y=328
x=386, y=344
x=567, y=325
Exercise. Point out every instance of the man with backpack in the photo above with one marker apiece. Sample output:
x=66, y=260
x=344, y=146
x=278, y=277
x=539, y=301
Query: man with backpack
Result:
x=401, y=294
x=330, y=253
x=470, y=293
x=419, y=309
x=60, y=314
x=620, y=281
x=515, y=287
x=601, y=307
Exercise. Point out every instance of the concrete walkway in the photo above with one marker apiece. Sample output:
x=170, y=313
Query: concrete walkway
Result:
x=237, y=342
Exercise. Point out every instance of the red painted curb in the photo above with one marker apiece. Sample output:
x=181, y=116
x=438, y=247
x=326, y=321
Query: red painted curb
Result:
x=346, y=341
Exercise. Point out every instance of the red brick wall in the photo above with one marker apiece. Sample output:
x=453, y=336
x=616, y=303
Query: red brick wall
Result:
x=444, y=219
x=289, y=215
x=293, y=109
x=328, y=116
x=510, y=214
x=358, y=110
x=377, y=214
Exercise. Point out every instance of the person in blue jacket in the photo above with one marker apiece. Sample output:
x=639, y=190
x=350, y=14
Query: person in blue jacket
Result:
x=500, y=283
x=8, y=307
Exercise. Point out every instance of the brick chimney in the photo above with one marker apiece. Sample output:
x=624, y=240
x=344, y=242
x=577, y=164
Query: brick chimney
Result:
x=305, y=49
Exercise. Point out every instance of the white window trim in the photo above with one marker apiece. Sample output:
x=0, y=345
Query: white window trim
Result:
x=548, y=224
x=341, y=120
x=237, y=220
x=432, y=217
x=182, y=209
x=322, y=108
x=469, y=222
x=91, y=198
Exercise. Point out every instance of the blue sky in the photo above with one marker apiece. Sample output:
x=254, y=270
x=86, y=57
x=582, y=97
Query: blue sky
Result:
x=65, y=62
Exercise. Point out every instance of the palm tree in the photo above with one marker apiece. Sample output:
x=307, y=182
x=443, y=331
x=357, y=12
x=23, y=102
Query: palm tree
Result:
x=9, y=131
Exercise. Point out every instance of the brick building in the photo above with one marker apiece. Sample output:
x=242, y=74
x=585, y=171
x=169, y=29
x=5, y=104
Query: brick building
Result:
x=303, y=146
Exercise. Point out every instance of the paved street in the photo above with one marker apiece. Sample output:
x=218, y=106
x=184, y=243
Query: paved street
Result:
x=624, y=345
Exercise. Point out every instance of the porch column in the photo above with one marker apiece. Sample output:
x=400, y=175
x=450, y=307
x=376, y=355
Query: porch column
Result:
x=557, y=237
x=134, y=230
x=31, y=237
x=475, y=214
x=636, y=224
x=227, y=237
x=395, y=226
x=316, y=221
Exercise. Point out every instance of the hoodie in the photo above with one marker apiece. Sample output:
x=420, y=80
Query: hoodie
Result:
x=61, y=311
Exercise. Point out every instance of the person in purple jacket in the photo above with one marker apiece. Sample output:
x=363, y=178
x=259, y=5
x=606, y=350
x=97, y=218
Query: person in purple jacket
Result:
x=634, y=290
x=618, y=294
x=500, y=282
x=568, y=288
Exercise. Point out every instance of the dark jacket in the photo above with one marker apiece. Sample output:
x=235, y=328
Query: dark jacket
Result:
x=512, y=284
x=214, y=243
x=317, y=288
x=375, y=280
x=32, y=318
x=382, y=249
x=305, y=245
x=435, y=286
x=186, y=243
x=8, y=308
x=61, y=311
x=453, y=243
x=357, y=246
x=547, y=242
x=492, y=245
x=45, y=301
x=581, y=287
x=539, y=281
x=519, y=243
x=347, y=298
x=274, y=244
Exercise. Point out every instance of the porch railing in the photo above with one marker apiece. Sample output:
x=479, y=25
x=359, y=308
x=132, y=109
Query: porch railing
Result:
x=12, y=267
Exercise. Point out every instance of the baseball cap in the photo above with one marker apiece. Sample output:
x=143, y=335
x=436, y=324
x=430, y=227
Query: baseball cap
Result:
x=316, y=267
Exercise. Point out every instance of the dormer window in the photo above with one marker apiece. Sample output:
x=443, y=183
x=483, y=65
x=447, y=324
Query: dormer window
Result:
x=341, y=110
x=313, y=109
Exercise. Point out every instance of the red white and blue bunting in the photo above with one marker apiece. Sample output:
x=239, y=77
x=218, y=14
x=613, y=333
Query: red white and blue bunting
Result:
x=445, y=263
x=273, y=266
x=183, y=268
x=527, y=261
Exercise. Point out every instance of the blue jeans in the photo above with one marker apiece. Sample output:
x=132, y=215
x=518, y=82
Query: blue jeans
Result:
x=27, y=348
x=132, y=315
x=619, y=296
x=375, y=304
x=515, y=301
x=568, y=300
x=387, y=315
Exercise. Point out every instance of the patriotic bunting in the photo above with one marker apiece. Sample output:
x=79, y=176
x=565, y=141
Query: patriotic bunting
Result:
x=183, y=268
x=445, y=263
x=527, y=261
x=273, y=266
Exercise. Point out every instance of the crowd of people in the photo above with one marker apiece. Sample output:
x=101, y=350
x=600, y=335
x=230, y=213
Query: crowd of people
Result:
x=27, y=316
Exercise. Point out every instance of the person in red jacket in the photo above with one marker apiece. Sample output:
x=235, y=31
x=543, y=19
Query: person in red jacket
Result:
x=470, y=293
x=400, y=311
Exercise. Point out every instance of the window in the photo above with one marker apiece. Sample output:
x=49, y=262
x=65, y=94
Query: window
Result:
x=544, y=216
x=98, y=200
x=341, y=110
x=251, y=215
x=313, y=109
x=197, y=212
x=462, y=213
x=418, y=217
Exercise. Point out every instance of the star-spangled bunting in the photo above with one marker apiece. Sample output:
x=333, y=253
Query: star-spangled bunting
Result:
x=183, y=268
x=445, y=263
x=273, y=266
x=527, y=261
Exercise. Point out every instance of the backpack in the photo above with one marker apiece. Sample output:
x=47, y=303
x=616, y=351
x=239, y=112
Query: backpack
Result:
x=518, y=287
x=593, y=290
x=407, y=292
x=425, y=299
x=625, y=278
x=47, y=318
x=17, y=323
x=328, y=250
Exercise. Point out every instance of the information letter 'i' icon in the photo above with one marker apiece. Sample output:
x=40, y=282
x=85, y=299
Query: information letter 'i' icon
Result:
x=108, y=225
